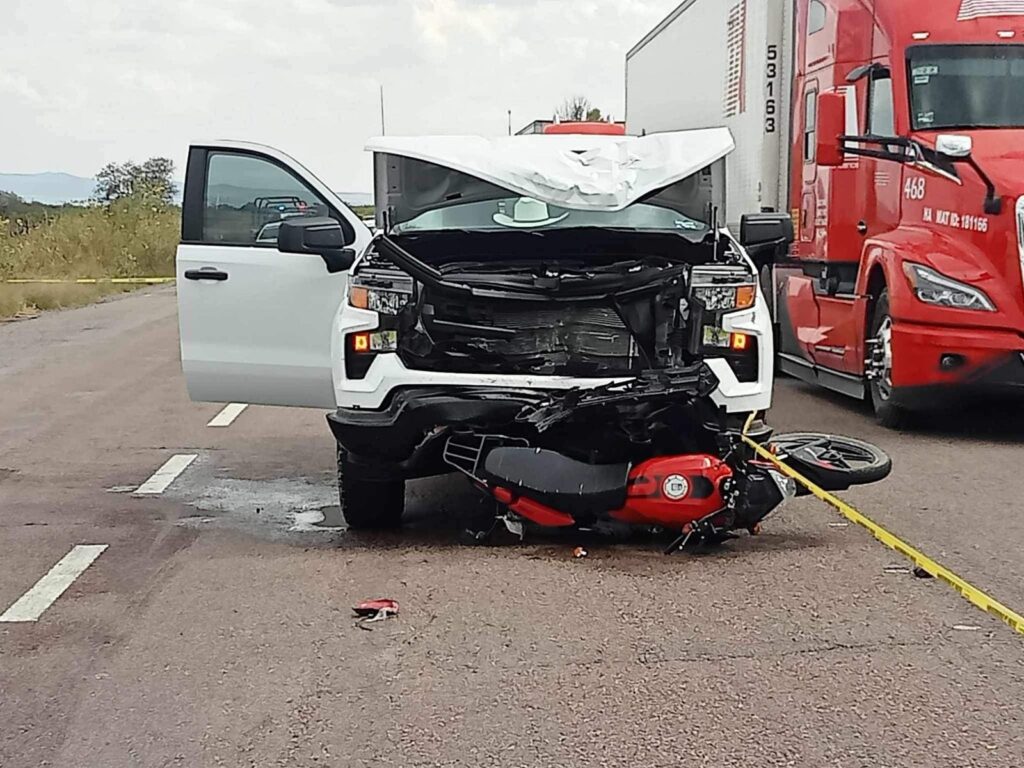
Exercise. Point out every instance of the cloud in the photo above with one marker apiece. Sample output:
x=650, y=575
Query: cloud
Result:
x=83, y=84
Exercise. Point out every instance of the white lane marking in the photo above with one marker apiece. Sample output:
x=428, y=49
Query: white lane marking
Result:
x=166, y=475
x=31, y=605
x=228, y=415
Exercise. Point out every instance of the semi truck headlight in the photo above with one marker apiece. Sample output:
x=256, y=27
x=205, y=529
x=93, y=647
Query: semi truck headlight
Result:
x=932, y=287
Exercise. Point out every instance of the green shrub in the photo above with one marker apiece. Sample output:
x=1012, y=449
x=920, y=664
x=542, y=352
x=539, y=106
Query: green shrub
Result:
x=129, y=238
x=132, y=237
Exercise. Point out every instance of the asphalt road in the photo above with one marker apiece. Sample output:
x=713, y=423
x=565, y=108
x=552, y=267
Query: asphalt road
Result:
x=215, y=629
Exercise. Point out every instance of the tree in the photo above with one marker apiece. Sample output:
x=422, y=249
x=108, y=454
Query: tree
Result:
x=156, y=178
x=116, y=180
x=152, y=180
x=574, y=109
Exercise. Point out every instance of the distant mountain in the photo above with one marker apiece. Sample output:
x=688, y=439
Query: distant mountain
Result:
x=52, y=188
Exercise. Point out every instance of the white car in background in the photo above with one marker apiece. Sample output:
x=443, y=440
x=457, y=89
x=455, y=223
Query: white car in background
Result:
x=571, y=293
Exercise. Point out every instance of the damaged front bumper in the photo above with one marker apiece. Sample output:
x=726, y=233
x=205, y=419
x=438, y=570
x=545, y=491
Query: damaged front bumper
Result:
x=404, y=435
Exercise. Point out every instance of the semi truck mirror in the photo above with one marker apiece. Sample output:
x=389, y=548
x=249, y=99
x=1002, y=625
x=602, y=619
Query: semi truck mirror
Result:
x=954, y=146
x=959, y=148
x=831, y=126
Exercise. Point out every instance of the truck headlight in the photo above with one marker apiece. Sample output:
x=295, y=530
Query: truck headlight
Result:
x=931, y=287
x=723, y=298
x=380, y=291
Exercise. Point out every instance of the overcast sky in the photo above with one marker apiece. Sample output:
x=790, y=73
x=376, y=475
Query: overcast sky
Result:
x=85, y=83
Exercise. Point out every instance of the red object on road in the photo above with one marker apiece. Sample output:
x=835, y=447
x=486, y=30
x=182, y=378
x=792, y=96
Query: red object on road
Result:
x=541, y=514
x=673, y=491
x=670, y=491
x=376, y=608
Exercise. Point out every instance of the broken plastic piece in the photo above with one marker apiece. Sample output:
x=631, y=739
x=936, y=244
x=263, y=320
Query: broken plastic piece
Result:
x=376, y=610
x=513, y=524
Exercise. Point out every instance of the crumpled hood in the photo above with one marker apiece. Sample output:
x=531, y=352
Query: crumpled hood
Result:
x=586, y=173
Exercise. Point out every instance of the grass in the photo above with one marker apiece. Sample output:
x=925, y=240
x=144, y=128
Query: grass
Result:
x=129, y=238
x=27, y=300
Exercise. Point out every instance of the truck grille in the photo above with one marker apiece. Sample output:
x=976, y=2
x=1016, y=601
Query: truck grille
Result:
x=523, y=337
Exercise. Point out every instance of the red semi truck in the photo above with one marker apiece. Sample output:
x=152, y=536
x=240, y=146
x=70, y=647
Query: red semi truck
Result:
x=893, y=132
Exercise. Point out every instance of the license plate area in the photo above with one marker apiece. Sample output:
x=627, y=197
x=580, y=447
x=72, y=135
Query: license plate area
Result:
x=715, y=337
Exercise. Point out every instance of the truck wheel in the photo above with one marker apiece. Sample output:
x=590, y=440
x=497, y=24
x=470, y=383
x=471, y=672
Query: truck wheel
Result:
x=368, y=504
x=880, y=362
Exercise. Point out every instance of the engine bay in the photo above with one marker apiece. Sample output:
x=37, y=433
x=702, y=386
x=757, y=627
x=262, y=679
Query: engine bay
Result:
x=585, y=303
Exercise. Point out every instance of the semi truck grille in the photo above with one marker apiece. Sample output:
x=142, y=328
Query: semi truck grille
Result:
x=522, y=337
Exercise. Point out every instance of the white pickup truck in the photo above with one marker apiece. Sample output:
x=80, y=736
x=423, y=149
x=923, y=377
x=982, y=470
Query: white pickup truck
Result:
x=571, y=293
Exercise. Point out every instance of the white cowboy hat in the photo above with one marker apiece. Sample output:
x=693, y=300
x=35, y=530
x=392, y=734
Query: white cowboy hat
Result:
x=528, y=213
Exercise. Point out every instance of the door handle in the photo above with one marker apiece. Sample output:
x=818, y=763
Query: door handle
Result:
x=862, y=227
x=206, y=274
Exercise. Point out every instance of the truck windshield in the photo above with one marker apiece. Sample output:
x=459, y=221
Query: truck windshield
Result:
x=523, y=213
x=966, y=86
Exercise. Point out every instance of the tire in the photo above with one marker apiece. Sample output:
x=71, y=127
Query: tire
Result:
x=368, y=504
x=834, y=458
x=887, y=412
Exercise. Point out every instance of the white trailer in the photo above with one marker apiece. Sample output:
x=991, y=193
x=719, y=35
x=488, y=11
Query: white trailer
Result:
x=722, y=62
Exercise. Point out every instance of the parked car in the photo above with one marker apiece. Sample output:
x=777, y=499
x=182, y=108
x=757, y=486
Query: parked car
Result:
x=560, y=318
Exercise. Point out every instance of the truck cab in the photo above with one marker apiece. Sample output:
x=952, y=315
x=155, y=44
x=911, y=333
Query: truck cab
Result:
x=892, y=131
x=905, y=282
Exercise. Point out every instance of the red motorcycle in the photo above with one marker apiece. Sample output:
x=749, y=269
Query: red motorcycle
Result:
x=689, y=471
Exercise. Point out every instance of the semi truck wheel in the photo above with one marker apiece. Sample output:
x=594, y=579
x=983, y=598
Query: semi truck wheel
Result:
x=880, y=363
x=368, y=504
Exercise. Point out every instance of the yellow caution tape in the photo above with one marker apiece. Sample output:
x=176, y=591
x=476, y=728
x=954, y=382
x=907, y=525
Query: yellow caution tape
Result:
x=88, y=280
x=968, y=591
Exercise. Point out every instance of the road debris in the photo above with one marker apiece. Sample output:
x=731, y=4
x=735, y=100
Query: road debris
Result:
x=896, y=569
x=966, y=627
x=370, y=611
x=579, y=552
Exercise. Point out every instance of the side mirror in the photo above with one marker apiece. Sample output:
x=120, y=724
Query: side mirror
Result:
x=958, y=148
x=831, y=125
x=953, y=146
x=766, y=236
x=317, y=235
x=766, y=229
